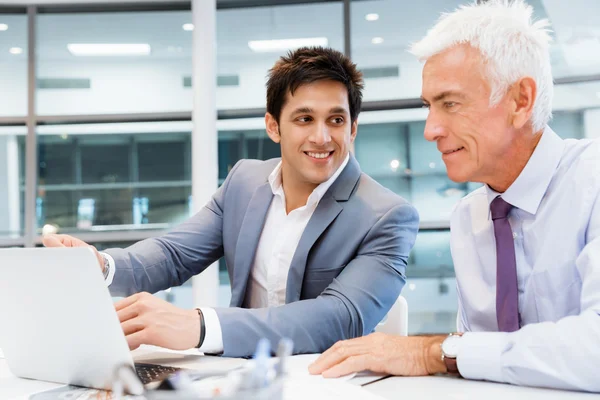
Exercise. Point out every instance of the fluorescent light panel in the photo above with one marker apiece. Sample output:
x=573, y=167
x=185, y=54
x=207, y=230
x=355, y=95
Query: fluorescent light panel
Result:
x=3, y=27
x=265, y=46
x=83, y=49
x=372, y=17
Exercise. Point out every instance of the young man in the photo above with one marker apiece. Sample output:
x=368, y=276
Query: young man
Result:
x=526, y=246
x=316, y=250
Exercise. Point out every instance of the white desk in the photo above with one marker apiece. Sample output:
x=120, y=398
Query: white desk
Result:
x=442, y=387
x=12, y=388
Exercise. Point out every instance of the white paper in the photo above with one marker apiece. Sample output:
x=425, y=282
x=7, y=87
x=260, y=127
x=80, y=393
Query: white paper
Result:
x=297, y=367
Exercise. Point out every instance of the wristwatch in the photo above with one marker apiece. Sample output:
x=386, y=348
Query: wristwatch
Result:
x=450, y=352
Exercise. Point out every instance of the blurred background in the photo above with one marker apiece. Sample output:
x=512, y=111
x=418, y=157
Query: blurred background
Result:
x=96, y=141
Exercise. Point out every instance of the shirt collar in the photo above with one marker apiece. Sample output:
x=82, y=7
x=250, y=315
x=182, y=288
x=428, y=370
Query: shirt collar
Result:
x=527, y=191
x=318, y=192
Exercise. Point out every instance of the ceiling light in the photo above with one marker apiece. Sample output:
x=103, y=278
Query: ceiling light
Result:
x=372, y=17
x=598, y=94
x=188, y=27
x=377, y=40
x=3, y=27
x=265, y=46
x=15, y=50
x=394, y=164
x=109, y=49
x=432, y=165
x=412, y=286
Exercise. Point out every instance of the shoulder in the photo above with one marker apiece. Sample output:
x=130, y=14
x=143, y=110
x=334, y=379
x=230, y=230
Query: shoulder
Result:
x=372, y=198
x=252, y=172
x=579, y=166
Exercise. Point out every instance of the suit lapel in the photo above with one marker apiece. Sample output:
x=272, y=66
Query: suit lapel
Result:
x=328, y=209
x=324, y=215
x=248, y=241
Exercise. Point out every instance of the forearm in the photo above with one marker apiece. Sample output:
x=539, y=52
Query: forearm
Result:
x=313, y=325
x=170, y=260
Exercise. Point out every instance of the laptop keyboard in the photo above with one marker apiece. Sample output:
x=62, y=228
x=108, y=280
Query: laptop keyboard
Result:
x=151, y=373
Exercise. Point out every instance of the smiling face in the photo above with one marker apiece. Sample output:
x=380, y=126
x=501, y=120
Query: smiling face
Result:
x=315, y=132
x=472, y=136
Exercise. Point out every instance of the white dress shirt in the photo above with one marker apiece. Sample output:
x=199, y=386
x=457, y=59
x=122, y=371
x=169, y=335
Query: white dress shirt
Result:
x=556, y=229
x=278, y=241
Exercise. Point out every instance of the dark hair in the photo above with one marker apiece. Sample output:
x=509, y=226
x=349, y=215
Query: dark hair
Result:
x=310, y=64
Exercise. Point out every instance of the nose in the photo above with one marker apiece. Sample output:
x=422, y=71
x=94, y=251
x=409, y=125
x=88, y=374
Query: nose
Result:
x=321, y=135
x=434, y=128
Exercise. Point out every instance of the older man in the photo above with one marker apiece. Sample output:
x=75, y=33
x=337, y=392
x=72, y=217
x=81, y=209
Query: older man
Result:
x=526, y=245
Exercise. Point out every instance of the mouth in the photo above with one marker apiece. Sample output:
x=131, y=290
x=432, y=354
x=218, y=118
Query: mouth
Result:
x=319, y=155
x=451, y=151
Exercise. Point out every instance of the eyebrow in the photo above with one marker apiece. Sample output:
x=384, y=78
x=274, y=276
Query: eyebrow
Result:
x=443, y=95
x=308, y=110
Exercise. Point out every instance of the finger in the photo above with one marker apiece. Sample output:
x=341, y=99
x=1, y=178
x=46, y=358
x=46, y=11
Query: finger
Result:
x=348, y=366
x=133, y=325
x=136, y=339
x=126, y=302
x=333, y=356
x=128, y=312
x=339, y=352
x=70, y=241
x=52, y=241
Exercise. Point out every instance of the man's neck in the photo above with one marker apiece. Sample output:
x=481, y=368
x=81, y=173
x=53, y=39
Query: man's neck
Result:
x=296, y=191
x=513, y=164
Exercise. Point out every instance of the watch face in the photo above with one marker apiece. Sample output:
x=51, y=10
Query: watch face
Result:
x=450, y=346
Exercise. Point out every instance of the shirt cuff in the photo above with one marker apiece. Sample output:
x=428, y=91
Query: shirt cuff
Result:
x=480, y=355
x=111, y=269
x=213, y=338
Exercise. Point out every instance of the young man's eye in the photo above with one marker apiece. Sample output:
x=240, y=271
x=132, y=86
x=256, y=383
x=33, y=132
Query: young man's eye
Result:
x=337, y=120
x=304, y=119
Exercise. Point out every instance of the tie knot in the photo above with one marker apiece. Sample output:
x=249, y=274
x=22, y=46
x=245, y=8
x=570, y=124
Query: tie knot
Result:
x=500, y=208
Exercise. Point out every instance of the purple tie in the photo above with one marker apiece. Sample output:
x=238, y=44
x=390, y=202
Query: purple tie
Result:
x=507, y=295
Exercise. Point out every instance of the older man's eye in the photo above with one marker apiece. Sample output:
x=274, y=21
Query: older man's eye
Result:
x=449, y=104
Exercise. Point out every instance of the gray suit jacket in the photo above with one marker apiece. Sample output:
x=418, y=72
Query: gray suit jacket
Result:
x=346, y=273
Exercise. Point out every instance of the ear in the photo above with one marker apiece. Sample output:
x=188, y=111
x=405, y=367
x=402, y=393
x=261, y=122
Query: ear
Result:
x=353, y=131
x=272, y=128
x=523, y=97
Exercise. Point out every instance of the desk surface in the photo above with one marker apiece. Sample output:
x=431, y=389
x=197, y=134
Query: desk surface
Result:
x=439, y=387
x=443, y=387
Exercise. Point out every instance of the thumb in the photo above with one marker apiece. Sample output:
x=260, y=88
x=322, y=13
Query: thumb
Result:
x=52, y=241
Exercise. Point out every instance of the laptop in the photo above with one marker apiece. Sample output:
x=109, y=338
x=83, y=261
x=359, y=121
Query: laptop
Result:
x=58, y=322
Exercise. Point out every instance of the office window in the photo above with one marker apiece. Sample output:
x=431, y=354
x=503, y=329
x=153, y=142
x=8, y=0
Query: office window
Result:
x=235, y=145
x=383, y=31
x=13, y=64
x=143, y=78
x=250, y=50
x=113, y=176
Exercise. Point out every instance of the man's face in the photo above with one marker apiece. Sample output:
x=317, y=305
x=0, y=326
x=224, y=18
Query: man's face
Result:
x=472, y=136
x=314, y=130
